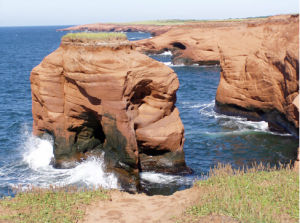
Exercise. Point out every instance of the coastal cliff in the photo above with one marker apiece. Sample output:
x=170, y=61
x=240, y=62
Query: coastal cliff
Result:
x=102, y=27
x=259, y=65
x=98, y=98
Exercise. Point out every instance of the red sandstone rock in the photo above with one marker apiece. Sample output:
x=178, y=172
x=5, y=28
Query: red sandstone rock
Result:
x=159, y=29
x=259, y=65
x=102, y=27
x=95, y=97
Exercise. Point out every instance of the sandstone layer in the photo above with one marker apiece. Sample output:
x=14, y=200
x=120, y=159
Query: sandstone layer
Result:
x=161, y=26
x=102, y=27
x=96, y=97
x=259, y=65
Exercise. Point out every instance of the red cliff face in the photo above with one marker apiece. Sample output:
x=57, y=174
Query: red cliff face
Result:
x=259, y=65
x=106, y=97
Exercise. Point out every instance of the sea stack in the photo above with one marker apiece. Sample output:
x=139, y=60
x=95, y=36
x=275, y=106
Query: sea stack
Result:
x=99, y=96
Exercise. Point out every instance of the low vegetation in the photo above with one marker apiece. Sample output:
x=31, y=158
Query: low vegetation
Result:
x=104, y=36
x=258, y=194
x=48, y=205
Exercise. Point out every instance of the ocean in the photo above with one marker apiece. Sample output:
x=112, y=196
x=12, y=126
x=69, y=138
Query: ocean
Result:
x=211, y=138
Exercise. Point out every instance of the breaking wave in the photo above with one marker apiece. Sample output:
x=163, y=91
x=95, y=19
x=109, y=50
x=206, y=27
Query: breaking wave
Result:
x=34, y=169
x=170, y=64
x=232, y=125
x=166, y=53
x=160, y=178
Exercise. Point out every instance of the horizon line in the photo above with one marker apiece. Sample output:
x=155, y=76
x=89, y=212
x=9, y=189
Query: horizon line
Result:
x=230, y=18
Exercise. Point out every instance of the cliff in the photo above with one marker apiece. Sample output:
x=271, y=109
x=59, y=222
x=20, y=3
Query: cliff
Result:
x=158, y=27
x=103, y=27
x=94, y=97
x=259, y=65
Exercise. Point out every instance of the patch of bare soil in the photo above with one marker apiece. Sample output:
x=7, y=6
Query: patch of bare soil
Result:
x=140, y=208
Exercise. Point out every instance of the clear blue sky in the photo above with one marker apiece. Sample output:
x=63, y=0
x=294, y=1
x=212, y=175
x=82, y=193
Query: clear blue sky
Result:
x=68, y=12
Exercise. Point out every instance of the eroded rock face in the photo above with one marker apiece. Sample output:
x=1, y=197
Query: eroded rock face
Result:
x=94, y=97
x=259, y=65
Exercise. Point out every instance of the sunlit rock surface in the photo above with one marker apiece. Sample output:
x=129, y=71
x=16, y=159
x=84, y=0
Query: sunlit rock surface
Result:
x=96, y=97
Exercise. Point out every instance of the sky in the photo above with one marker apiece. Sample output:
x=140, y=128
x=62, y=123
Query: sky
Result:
x=73, y=12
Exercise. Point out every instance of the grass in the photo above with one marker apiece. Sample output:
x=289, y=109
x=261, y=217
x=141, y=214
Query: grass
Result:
x=254, y=195
x=257, y=194
x=104, y=36
x=48, y=205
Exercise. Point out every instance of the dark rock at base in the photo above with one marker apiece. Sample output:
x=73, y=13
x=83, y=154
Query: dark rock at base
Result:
x=168, y=162
x=276, y=121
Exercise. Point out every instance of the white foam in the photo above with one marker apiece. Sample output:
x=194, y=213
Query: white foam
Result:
x=261, y=125
x=167, y=63
x=170, y=64
x=160, y=178
x=203, y=65
x=37, y=156
x=196, y=106
x=166, y=53
x=91, y=172
x=239, y=125
x=38, y=153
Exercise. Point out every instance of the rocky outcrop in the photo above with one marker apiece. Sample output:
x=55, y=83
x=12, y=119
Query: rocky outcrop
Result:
x=261, y=76
x=96, y=97
x=102, y=27
x=159, y=27
x=259, y=65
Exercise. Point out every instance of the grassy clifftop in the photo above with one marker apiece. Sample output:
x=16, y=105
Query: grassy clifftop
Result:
x=258, y=194
x=48, y=205
x=103, y=36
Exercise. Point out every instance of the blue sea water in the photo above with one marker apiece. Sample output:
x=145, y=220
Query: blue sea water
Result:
x=210, y=137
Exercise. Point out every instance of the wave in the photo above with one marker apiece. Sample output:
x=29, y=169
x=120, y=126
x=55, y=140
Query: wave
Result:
x=160, y=178
x=209, y=65
x=166, y=53
x=91, y=173
x=232, y=125
x=239, y=125
x=34, y=169
x=38, y=152
x=170, y=64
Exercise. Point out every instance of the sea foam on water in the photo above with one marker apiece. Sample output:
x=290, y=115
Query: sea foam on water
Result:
x=38, y=152
x=37, y=156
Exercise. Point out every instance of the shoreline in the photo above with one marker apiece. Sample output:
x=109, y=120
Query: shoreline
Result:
x=227, y=196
